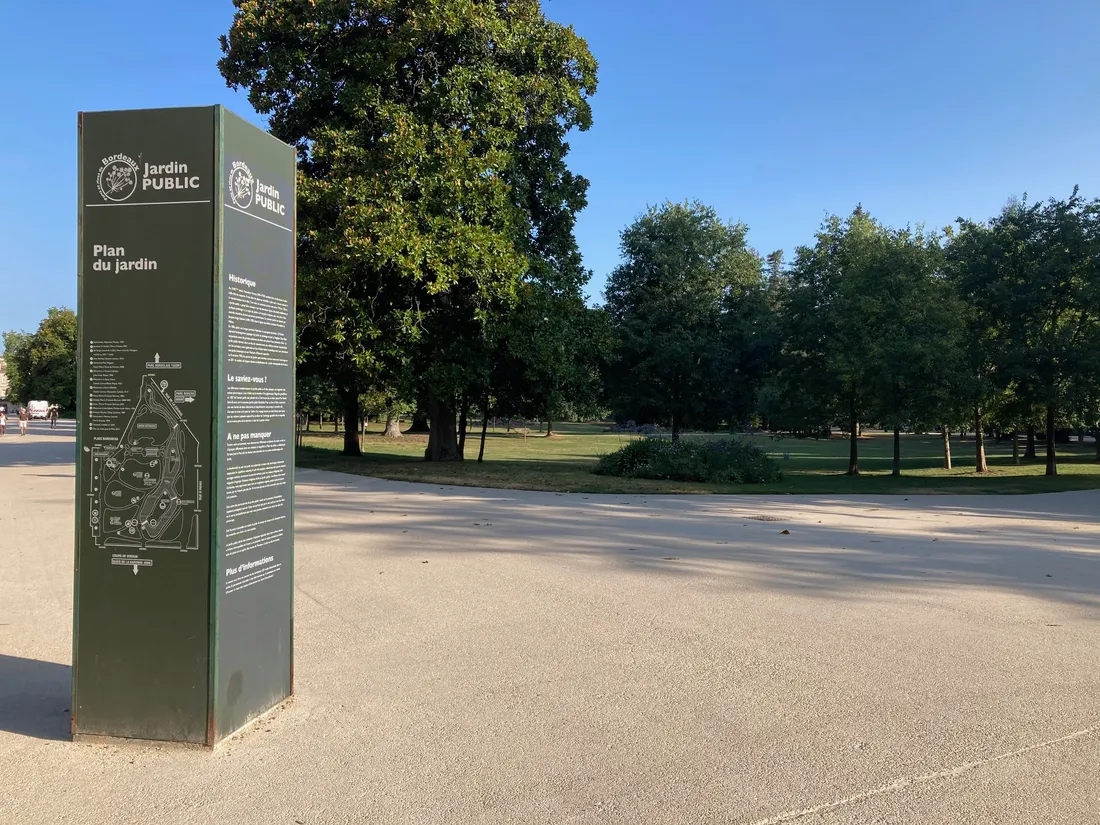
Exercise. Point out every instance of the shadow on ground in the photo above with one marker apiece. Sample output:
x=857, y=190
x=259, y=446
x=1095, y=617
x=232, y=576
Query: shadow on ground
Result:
x=34, y=697
x=19, y=451
x=835, y=548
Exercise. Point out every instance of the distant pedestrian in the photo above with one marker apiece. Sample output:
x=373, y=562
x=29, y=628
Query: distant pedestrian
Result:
x=3, y=420
x=23, y=416
x=53, y=417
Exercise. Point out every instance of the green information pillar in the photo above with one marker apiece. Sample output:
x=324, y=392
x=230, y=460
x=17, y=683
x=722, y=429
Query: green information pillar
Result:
x=183, y=613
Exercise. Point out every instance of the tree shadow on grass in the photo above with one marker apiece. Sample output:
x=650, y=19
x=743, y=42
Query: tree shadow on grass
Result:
x=34, y=698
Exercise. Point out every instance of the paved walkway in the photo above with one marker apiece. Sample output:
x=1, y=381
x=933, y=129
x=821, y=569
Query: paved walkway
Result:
x=470, y=656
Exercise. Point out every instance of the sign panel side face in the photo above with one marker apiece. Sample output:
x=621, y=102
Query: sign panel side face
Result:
x=294, y=395
x=145, y=376
x=79, y=402
x=215, y=424
x=256, y=448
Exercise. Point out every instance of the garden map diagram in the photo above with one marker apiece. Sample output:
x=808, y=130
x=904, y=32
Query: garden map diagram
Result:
x=145, y=488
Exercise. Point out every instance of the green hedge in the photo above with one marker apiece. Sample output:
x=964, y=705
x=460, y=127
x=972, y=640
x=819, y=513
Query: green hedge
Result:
x=727, y=460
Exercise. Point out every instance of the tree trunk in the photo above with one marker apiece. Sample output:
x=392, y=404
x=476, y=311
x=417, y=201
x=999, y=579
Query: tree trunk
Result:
x=463, y=423
x=549, y=425
x=442, y=433
x=484, y=430
x=1029, y=451
x=351, y=413
x=946, y=447
x=1015, y=447
x=1052, y=458
x=980, y=465
x=393, y=426
x=307, y=422
x=419, y=422
x=853, y=445
x=896, y=471
x=677, y=424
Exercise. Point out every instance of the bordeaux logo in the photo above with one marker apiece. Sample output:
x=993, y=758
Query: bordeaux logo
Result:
x=117, y=179
x=240, y=184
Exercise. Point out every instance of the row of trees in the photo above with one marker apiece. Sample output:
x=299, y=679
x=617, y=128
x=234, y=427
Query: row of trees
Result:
x=439, y=269
x=985, y=325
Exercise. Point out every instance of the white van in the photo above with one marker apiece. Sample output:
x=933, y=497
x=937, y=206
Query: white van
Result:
x=38, y=409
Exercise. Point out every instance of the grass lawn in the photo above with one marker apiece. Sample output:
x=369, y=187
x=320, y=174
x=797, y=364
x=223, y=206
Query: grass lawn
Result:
x=563, y=463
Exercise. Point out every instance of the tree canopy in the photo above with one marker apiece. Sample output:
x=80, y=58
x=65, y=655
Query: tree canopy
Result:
x=41, y=365
x=683, y=269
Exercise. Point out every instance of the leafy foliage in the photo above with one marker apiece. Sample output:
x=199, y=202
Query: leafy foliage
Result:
x=682, y=267
x=691, y=459
x=42, y=365
x=871, y=331
x=548, y=355
x=828, y=356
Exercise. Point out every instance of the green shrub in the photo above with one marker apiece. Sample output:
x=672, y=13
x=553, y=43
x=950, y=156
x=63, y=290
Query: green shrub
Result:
x=727, y=460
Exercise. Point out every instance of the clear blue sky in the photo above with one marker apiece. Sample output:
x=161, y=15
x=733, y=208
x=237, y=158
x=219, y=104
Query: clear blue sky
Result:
x=775, y=113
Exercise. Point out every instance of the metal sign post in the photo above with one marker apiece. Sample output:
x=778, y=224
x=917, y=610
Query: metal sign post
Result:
x=182, y=622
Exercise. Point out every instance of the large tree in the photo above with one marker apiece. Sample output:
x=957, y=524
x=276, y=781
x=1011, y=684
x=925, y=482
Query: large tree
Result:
x=665, y=303
x=915, y=322
x=827, y=367
x=430, y=136
x=749, y=338
x=42, y=365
